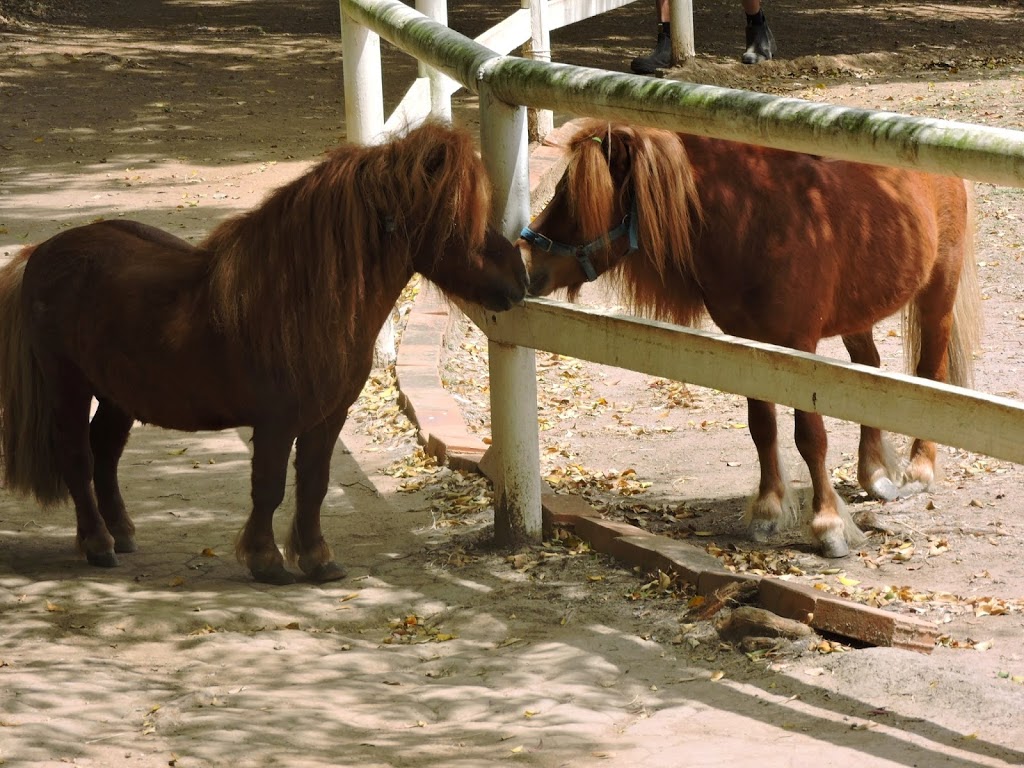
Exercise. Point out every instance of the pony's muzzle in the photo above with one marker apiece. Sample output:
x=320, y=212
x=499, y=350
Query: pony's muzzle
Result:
x=539, y=277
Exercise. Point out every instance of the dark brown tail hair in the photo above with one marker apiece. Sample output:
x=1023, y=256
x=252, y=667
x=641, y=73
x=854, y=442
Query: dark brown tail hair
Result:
x=28, y=462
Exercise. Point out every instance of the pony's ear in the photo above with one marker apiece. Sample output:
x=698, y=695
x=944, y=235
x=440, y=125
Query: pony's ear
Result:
x=436, y=158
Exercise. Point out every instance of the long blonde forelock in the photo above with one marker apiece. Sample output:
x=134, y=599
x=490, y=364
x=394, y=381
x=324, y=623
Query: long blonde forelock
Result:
x=589, y=186
x=660, y=184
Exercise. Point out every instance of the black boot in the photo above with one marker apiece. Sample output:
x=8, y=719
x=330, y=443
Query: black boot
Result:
x=660, y=57
x=760, y=43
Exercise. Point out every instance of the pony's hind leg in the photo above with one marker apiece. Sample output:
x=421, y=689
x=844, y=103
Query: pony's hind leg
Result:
x=108, y=434
x=313, y=451
x=256, y=546
x=934, y=318
x=878, y=470
x=832, y=526
x=73, y=400
x=773, y=507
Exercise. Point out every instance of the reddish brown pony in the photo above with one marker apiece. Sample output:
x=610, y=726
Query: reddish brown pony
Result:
x=269, y=322
x=779, y=247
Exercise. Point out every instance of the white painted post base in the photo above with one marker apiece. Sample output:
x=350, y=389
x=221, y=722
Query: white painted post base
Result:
x=517, y=511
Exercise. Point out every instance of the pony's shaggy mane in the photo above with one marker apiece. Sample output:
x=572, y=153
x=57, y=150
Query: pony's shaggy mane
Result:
x=610, y=164
x=333, y=239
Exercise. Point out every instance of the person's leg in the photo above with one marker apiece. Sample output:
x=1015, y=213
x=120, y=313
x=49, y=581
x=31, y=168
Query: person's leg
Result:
x=760, y=41
x=661, y=56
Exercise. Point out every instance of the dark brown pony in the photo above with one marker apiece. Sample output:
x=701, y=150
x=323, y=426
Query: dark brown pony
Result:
x=779, y=247
x=269, y=322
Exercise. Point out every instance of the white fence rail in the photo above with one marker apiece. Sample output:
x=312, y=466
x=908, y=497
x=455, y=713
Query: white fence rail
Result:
x=927, y=409
x=950, y=415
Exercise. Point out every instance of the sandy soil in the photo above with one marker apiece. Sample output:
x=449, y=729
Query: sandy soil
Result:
x=437, y=650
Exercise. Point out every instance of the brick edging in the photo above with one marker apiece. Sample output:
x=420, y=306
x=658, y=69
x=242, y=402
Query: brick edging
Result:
x=822, y=612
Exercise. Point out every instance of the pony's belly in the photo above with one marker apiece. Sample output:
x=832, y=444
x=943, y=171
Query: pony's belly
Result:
x=186, y=403
x=183, y=415
x=189, y=422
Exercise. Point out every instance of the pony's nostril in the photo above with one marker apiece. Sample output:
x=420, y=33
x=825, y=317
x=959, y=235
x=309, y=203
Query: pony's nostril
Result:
x=538, y=284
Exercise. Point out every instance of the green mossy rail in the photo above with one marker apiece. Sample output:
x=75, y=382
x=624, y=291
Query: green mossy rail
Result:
x=994, y=155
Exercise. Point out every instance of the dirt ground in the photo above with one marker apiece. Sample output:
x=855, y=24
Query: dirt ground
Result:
x=437, y=650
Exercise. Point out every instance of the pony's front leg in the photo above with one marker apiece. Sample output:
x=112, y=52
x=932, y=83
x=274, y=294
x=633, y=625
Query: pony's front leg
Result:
x=773, y=507
x=832, y=526
x=878, y=470
x=256, y=546
x=306, y=543
x=108, y=435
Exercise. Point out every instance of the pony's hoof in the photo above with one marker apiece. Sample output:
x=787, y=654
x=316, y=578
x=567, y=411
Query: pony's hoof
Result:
x=761, y=530
x=329, y=571
x=833, y=544
x=278, y=576
x=102, y=559
x=884, y=489
x=125, y=544
x=912, y=488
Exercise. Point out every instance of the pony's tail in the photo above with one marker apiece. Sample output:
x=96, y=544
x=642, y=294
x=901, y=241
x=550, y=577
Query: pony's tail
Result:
x=965, y=334
x=27, y=451
x=965, y=338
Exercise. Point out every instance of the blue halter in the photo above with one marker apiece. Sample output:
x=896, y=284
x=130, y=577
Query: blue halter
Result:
x=582, y=253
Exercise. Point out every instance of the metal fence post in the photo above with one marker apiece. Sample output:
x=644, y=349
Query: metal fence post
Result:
x=513, y=370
